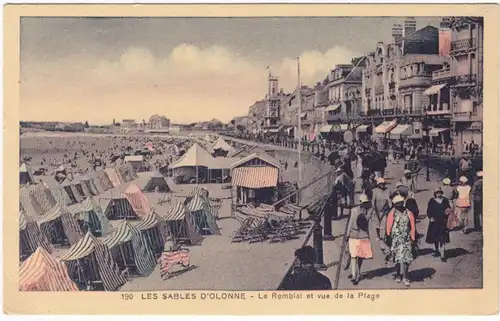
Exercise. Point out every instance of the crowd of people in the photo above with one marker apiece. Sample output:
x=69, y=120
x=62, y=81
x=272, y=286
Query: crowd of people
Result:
x=388, y=218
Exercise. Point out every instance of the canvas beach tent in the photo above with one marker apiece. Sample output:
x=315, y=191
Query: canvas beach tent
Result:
x=130, y=250
x=30, y=237
x=59, y=226
x=42, y=272
x=29, y=203
x=90, y=217
x=152, y=182
x=113, y=176
x=72, y=192
x=58, y=192
x=154, y=229
x=195, y=158
x=60, y=174
x=80, y=186
x=203, y=214
x=90, y=262
x=126, y=172
x=96, y=183
x=43, y=196
x=87, y=185
x=222, y=145
x=116, y=206
x=138, y=200
x=181, y=224
x=25, y=175
x=104, y=180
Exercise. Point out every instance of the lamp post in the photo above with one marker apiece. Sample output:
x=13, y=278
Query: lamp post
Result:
x=425, y=126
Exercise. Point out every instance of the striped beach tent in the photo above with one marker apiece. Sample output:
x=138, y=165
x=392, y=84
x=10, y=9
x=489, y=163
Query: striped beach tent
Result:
x=138, y=200
x=201, y=209
x=90, y=261
x=59, y=226
x=43, y=196
x=72, y=192
x=80, y=186
x=90, y=217
x=181, y=224
x=113, y=176
x=30, y=237
x=116, y=206
x=130, y=249
x=25, y=175
x=41, y=272
x=87, y=188
x=154, y=181
x=198, y=191
x=57, y=191
x=104, y=180
x=29, y=203
x=154, y=230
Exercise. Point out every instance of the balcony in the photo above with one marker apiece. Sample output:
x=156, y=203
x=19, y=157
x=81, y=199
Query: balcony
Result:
x=463, y=44
x=468, y=79
x=379, y=89
x=420, y=80
x=437, y=110
x=272, y=114
x=462, y=116
x=441, y=75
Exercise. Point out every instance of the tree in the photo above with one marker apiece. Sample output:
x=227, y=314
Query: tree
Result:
x=86, y=124
x=241, y=128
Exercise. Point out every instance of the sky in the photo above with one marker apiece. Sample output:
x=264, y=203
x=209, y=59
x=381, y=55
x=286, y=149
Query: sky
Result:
x=188, y=69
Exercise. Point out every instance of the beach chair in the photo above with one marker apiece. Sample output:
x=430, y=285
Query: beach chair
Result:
x=168, y=259
x=241, y=234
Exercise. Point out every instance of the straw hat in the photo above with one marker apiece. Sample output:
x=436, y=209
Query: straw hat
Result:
x=407, y=171
x=380, y=180
x=437, y=190
x=363, y=199
x=399, y=183
x=398, y=199
x=463, y=179
x=446, y=181
x=480, y=174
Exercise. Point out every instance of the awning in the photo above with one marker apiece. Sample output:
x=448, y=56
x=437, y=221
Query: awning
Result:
x=401, y=130
x=302, y=115
x=385, y=127
x=362, y=128
x=273, y=130
x=434, y=132
x=332, y=107
x=325, y=128
x=433, y=89
x=255, y=177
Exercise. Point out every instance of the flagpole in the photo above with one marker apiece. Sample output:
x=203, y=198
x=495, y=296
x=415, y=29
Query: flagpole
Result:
x=299, y=99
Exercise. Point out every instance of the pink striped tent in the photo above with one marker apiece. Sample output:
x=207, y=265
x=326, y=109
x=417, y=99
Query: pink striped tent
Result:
x=41, y=272
x=138, y=200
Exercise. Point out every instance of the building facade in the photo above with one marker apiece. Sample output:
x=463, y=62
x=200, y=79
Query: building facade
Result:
x=158, y=122
x=466, y=55
x=257, y=116
x=274, y=99
x=128, y=125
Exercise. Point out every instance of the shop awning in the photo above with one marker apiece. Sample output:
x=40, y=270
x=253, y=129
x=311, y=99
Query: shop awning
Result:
x=362, y=128
x=340, y=127
x=302, y=115
x=434, y=132
x=325, y=128
x=332, y=107
x=433, y=89
x=255, y=177
x=401, y=130
x=273, y=130
x=385, y=127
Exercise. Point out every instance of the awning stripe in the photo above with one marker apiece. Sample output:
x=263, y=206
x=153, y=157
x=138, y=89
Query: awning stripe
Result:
x=385, y=127
x=255, y=177
x=434, y=89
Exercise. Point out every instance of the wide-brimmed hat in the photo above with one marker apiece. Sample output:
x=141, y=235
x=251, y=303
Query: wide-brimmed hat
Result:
x=399, y=183
x=338, y=170
x=463, y=179
x=446, y=181
x=437, y=190
x=407, y=171
x=380, y=180
x=363, y=199
x=480, y=174
x=398, y=199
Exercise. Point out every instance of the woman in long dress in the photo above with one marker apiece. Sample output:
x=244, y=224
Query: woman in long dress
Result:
x=401, y=233
x=437, y=233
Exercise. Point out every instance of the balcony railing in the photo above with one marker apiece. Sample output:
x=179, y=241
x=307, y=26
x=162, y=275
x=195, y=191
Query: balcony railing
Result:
x=462, y=116
x=463, y=44
x=441, y=74
x=379, y=89
x=333, y=117
x=442, y=109
x=465, y=79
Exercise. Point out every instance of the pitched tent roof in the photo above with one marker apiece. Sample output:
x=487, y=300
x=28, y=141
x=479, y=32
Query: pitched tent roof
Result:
x=41, y=272
x=25, y=175
x=143, y=255
x=29, y=203
x=87, y=211
x=34, y=238
x=195, y=156
x=110, y=276
x=177, y=213
x=138, y=200
x=263, y=157
x=71, y=228
x=134, y=158
x=153, y=180
x=113, y=176
x=223, y=145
